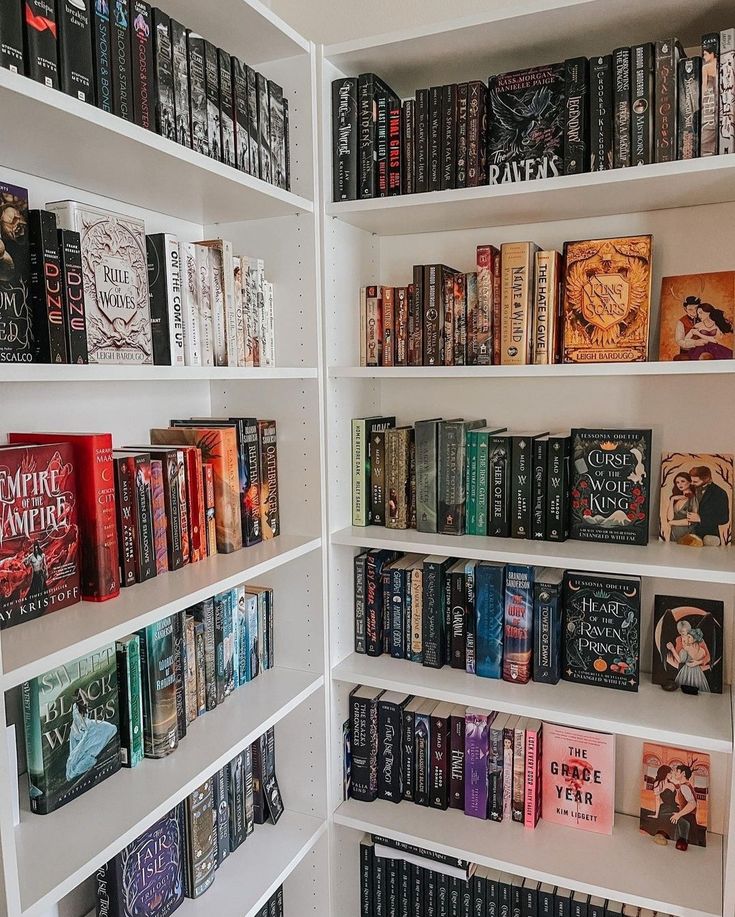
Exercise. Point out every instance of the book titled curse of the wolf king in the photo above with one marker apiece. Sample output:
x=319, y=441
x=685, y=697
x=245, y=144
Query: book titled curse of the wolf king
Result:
x=71, y=729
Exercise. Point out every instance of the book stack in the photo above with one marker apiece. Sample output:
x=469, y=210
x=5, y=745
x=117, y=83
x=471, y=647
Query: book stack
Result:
x=88, y=286
x=136, y=62
x=400, y=878
x=509, y=621
x=178, y=856
x=148, y=689
x=636, y=105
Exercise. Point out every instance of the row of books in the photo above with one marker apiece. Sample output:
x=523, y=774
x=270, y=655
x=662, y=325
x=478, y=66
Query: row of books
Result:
x=399, y=878
x=639, y=105
x=138, y=697
x=179, y=855
x=83, y=285
x=80, y=519
x=139, y=64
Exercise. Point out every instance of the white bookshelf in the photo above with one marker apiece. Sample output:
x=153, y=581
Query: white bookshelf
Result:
x=689, y=208
x=64, y=149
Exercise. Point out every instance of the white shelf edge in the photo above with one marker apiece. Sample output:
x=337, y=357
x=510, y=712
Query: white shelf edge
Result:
x=609, y=710
x=167, y=594
x=22, y=374
x=308, y=684
x=280, y=24
x=558, y=370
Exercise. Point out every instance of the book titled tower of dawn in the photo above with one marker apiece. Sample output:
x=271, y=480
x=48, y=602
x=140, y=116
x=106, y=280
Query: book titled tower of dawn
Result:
x=72, y=731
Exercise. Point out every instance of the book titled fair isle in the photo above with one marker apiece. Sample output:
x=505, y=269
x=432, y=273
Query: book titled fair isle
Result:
x=115, y=270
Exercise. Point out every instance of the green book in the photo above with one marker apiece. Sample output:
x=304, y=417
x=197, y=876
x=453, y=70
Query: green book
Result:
x=157, y=663
x=483, y=442
x=471, y=478
x=72, y=729
x=130, y=699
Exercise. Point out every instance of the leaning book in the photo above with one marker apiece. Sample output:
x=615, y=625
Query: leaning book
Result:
x=675, y=799
x=71, y=729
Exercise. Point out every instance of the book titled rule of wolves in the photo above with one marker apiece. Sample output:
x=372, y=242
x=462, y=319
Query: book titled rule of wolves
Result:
x=39, y=534
x=71, y=729
x=578, y=778
x=115, y=269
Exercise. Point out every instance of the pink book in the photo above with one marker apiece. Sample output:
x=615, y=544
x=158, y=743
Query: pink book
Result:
x=579, y=778
x=159, y=517
x=532, y=795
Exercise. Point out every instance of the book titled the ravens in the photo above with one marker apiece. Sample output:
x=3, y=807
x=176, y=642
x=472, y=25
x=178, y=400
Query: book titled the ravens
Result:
x=16, y=324
x=71, y=729
x=607, y=300
x=526, y=117
x=146, y=878
x=610, y=485
x=601, y=627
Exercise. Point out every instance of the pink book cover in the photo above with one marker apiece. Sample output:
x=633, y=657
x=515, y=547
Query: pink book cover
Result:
x=532, y=806
x=159, y=517
x=579, y=778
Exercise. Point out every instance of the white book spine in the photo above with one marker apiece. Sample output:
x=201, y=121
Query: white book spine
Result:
x=363, y=326
x=175, y=317
x=217, y=286
x=269, y=331
x=189, y=309
x=260, y=292
x=727, y=92
x=239, y=309
x=252, y=312
x=204, y=303
x=228, y=274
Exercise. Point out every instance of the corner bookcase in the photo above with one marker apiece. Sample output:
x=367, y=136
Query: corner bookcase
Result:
x=688, y=207
x=64, y=149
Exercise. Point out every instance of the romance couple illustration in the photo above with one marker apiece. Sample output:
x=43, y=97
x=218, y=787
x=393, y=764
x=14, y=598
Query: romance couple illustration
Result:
x=700, y=330
x=675, y=815
x=691, y=656
x=698, y=511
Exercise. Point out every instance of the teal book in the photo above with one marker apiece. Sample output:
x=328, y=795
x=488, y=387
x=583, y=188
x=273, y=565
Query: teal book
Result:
x=158, y=668
x=228, y=643
x=489, y=619
x=220, y=615
x=471, y=478
x=72, y=729
x=130, y=700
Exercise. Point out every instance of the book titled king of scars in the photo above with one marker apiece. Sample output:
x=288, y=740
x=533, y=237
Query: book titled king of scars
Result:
x=610, y=485
x=601, y=626
x=696, y=317
x=696, y=499
x=675, y=794
x=607, y=300
x=578, y=787
x=146, y=879
x=16, y=321
x=71, y=729
x=39, y=533
x=115, y=272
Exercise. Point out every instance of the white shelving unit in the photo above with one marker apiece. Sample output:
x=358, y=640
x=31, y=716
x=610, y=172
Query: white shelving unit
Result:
x=689, y=208
x=64, y=149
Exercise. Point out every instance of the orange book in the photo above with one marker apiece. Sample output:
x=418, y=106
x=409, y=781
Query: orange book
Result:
x=696, y=317
x=675, y=787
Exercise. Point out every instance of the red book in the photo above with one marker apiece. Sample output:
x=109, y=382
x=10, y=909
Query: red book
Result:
x=532, y=802
x=401, y=323
x=160, y=522
x=194, y=502
x=125, y=506
x=97, y=519
x=39, y=535
x=389, y=323
x=497, y=318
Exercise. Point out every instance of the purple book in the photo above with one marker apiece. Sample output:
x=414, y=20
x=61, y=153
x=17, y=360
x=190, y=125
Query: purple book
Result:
x=476, y=751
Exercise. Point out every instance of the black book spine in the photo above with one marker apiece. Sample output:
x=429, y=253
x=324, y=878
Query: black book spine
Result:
x=221, y=806
x=434, y=139
x=122, y=97
x=125, y=512
x=397, y=615
x=458, y=620
x=180, y=59
x=538, y=497
x=688, y=125
x=386, y=581
x=264, y=128
x=476, y=134
x=462, y=113
x=287, y=144
x=449, y=137
x=447, y=621
x=390, y=752
x=344, y=139
x=377, y=478
x=546, y=632
x=364, y=727
x=158, y=298
x=179, y=623
x=576, y=119
x=367, y=136
x=408, y=168
x=163, y=76
x=259, y=778
x=253, y=131
x=227, y=109
x=252, y=530
x=219, y=647
x=430, y=892
x=433, y=616
x=71, y=271
x=75, y=49
x=641, y=145
x=11, y=36
x=392, y=869
x=409, y=763
x=142, y=64
x=144, y=519
x=422, y=141
x=499, y=478
x=443, y=895
x=235, y=777
x=240, y=105
x=360, y=606
x=417, y=891
x=101, y=54
x=198, y=93
x=621, y=132
x=478, y=897
x=557, y=489
x=439, y=798
x=367, y=869
x=665, y=82
x=521, y=480
x=374, y=607
x=46, y=289
x=380, y=888
x=395, y=143
x=204, y=612
x=601, y=113
x=41, y=29
x=404, y=889
x=211, y=68
x=382, y=107
x=416, y=318
x=456, y=761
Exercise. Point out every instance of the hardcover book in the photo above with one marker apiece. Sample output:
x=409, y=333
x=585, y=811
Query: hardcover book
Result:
x=364, y=722
x=157, y=650
x=579, y=778
x=668, y=54
x=75, y=324
x=115, y=282
x=201, y=841
x=269, y=505
x=163, y=82
x=696, y=317
x=164, y=284
x=576, y=116
x=689, y=90
x=642, y=64
x=101, y=54
x=526, y=124
x=180, y=59
x=41, y=31
x=516, y=333
x=601, y=626
x=621, y=107
x=489, y=618
x=49, y=337
x=518, y=623
x=142, y=64
x=688, y=644
x=71, y=729
x=391, y=705
x=547, y=631
x=130, y=700
x=675, y=799
x=16, y=322
x=11, y=38
x=122, y=94
x=214, y=131
x=607, y=300
x=75, y=49
x=344, y=139
x=610, y=485
x=476, y=752
x=601, y=113
x=696, y=499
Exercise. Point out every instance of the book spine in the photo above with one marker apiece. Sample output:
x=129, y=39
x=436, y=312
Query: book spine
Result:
x=458, y=632
x=434, y=139
x=219, y=647
x=388, y=326
x=75, y=50
x=142, y=65
x=532, y=794
x=191, y=669
x=449, y=137
x=401, y=326
x=547, y=324
x=422, y=140
x=471, y=482
x=125, y=507
x=122, y=98
x=642, y=105
x=518, y=626
x=416, y=318
x=364, y=725
x=576, y=116
x=477, y=173
x=367, y=870
x=433, y=616
x=495, y=770
x=538, y=489
x=499, y=477
x=464, y=301
x=409, y=751
x=396, y=612
x=395, y=143
x=439, y=734
x=101, y=54
x=158, y=680
x=47, y=296
x=374, y=607
x=489, y=592
x=367, y=136
x=689, y=92
x=480, y=351
x=70, y=253
x=163, y=67
x=146, y=560
x=360, y=570
x=521, y=486
x=397, y=463
x=390, y=771
x=665, y=83
x=451, y=478
x=179, y=623
x=547, y=612
x=374, y=325
x=383, y=104
x=240, y=110
x=417, y=616
x=198, y=93
x=557, y=489
x=508, y=740
x=471, y=624
x=462, y=125
x=131, y=711
x=621, y=101
x=226, y=109
x=517, y=280
x=251, y=488
x=344, y=139
x=601, y=113
x=408, y=161
x=476, y=769
x=189, y=304
x=41, y=30
x=270, y=516
x=456, y=761
x=726, y=140
x=11, y=38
